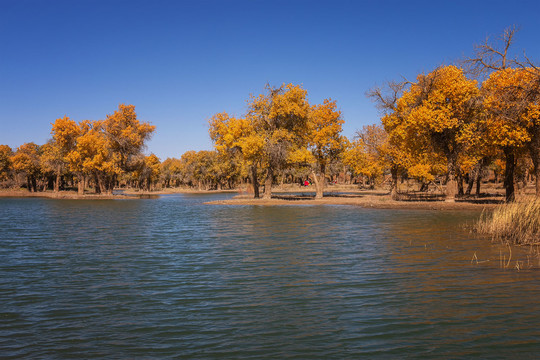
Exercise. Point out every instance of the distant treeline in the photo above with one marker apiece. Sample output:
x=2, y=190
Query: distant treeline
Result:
x=448, y=128
x=99, y=153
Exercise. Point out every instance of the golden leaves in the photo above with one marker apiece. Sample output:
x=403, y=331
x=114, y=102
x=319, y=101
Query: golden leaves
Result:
x=510, y=116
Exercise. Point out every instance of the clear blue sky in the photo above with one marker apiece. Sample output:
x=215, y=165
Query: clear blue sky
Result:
x=179, y=62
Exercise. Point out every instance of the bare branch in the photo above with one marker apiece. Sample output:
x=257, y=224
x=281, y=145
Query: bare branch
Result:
x=492, y=55
x=386, y=97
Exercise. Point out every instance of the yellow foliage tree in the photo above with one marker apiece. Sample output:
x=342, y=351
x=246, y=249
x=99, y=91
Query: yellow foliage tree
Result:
x=275, y=126
x=102, y=149
x=5, y=162
x=147, y=171
x=64, y=133
x=436, y=115
x=280, y=120
x=125, y=134
x=170, y=172
x=52, y=162
x=324, y=140
x=26, y=161
x=512, y=121
x=235, y=137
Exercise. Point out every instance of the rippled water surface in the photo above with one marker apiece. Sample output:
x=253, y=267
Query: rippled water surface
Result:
x=174, y=278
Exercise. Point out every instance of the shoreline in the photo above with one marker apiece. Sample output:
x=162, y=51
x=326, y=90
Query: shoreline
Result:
x=366, y=201
x=281, y=197
x=67, y=195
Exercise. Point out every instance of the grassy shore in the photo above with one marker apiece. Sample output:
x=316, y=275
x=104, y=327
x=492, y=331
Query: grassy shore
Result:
x=514, y=223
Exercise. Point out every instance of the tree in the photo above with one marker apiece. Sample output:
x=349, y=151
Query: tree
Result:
x=147, y=171
x=125, y=134
x=494, y=56
x=324, y=140
x=5, y=162
x=52, y=162
x=170, y=172
x=280, y=119
x=103, y=149
x=437, y=116
x=26, y=162
x=64, y=133
x=234, y=137
x=275, y=125
x=76, y=148
x=513, y=118
x=366, y=155
x=395, y=153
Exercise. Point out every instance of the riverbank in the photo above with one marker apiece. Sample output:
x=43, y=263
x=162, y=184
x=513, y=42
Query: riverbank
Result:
x=286, y=195
x=367, y=200
x=71, y=195
x=168, y=191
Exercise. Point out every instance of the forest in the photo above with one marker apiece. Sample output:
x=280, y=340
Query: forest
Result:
x=448, y=129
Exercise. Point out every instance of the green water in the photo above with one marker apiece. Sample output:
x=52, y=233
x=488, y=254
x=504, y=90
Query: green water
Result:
x=174, y=278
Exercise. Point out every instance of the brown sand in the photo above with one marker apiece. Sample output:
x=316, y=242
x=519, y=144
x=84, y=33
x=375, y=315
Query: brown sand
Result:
x=368, y=201
x=338, y=196
x=60, y=195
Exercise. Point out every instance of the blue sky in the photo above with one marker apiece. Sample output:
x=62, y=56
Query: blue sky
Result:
x=180, y=62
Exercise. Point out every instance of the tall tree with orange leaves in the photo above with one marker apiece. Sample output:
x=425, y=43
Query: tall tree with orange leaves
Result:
x=5, y=162
x=125, y=134
x=280, y=119
x=64, y=133
x=325, y=141
x=437, y=116
x=512, y=121
x=26, y=161
x=275, y=125
x=237, y=137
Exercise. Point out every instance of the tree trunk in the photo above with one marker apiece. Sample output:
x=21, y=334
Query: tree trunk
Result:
x=57, y=183
x=509, y=174
x=460, y=185
x=319, y=183
x=80, y=185
x=473, y=176
x=451, y=183
x=394, y=183
x=255, y=181
x=537, y=175
x=34, y=184
x=99, y=184
x=470, y=185
x=534, y=149
x=268, y=183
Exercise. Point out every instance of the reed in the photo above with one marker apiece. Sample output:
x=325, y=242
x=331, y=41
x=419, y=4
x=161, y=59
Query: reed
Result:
x=512, y=223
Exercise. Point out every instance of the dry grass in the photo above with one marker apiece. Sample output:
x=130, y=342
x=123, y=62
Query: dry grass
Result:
x=513, y=223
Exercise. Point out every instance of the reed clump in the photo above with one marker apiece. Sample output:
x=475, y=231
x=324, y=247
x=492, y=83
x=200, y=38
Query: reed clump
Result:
x=516, y=223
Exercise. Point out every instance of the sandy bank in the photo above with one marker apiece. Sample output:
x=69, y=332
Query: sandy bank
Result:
x=66, y=195
x=167, y=191
x=368, y=201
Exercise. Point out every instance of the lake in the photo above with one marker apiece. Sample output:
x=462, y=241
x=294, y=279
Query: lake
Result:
x=175, y=278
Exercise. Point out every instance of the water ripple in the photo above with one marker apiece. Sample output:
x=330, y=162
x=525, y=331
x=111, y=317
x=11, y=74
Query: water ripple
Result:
x=173, y=278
